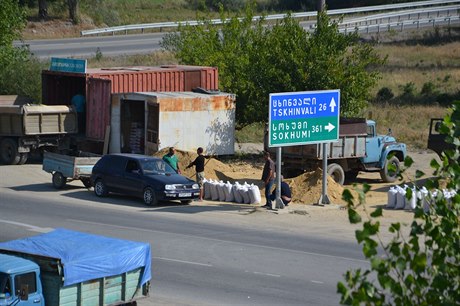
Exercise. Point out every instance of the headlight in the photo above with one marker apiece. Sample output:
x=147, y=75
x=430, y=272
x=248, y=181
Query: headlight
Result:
x=196, y=186
x=170, y=187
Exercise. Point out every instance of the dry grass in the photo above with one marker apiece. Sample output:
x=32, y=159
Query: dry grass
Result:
x=409, y=123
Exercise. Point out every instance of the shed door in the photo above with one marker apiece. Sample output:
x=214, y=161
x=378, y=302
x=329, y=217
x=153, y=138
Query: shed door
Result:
x=152, y=119
x=97, y=108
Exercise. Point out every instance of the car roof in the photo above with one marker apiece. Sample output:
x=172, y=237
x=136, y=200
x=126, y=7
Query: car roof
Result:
x=134, y=156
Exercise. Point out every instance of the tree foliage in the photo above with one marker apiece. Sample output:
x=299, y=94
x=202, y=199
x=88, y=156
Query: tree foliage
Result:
x=423, y=266
x=256, y=59
x=20, y=73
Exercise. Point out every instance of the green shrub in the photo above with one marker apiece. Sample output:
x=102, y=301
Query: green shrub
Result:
x=384, y=94
x=419, y=267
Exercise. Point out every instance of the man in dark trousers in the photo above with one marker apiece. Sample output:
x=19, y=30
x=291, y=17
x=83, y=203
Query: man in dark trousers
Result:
x=199, y=168
x=286, y=195
x=268, y=177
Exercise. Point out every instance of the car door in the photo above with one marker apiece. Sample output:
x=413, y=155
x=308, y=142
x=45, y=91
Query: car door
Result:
x=132, y=177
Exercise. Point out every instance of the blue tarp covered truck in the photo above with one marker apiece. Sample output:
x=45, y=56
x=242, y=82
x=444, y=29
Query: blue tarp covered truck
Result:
x=65, y=267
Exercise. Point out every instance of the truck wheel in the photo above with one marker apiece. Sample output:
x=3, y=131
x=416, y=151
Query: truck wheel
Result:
x=23, y=158
x=336, y=172
x=390, y=175
x=86, y=182
x=9, y=152
x=59, y=180
x=149, y=197
x=100, y=189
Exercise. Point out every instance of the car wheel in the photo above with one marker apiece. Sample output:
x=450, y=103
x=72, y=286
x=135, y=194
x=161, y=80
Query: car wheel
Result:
x=149, y=197
x=59, y=180
x=9, y=152
x=86, y=182
x=390, y=175
x=336, y=172
x=185, y=202
x=100, y=189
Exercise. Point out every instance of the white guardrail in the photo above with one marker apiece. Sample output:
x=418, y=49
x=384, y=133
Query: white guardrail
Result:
x=340, y=12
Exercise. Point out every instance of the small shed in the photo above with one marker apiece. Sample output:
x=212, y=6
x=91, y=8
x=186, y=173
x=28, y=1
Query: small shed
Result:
x=97, y=85
x=146, y=122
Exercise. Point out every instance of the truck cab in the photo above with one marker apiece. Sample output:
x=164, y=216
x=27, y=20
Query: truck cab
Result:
x=20, y=282
x=382, y=151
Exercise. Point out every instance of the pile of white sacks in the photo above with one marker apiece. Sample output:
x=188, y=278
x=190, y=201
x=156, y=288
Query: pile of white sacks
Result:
x=227, y=192
x=397, y=197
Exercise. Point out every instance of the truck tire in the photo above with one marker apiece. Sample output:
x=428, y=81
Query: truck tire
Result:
x=100, y=189
x=336, y=172
x=389, y=176
x=149, y=197
x=9, y=152
x=59, y=180
x=23, y=158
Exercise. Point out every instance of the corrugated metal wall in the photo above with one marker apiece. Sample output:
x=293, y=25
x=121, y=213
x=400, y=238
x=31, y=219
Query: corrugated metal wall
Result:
x=59, y=87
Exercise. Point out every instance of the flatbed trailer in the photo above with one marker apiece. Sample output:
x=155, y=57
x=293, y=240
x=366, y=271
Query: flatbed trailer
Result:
x=66, y=168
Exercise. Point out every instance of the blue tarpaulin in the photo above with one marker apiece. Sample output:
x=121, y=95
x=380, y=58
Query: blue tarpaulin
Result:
x=86, y=256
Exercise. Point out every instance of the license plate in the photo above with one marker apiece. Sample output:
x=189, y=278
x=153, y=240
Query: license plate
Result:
x=183, y=195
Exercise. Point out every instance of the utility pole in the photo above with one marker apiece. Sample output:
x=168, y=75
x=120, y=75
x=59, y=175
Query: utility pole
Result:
x=320, y=5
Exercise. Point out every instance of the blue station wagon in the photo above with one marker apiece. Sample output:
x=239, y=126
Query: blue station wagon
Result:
x=143, y=176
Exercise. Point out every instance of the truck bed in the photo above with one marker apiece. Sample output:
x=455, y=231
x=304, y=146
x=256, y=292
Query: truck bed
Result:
x=33, y=119
x=86, y=269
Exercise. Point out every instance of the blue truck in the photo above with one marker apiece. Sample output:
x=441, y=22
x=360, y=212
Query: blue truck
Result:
x=65, y=268
x=359, y=148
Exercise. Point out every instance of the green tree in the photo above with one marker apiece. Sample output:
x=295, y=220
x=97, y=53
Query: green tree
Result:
x=256, y=59
x=19, y=73
x=421, y=267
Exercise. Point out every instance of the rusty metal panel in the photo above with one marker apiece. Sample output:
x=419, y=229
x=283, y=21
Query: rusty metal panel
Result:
x=97, y=108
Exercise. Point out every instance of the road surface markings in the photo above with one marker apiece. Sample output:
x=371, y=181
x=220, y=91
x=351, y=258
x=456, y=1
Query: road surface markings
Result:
x=29, y=226
x=263, y=273
x=184, y=261
x=317, y=282
x=224, y=241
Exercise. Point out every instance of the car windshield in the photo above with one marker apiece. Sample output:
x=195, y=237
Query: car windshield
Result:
x=156, y=166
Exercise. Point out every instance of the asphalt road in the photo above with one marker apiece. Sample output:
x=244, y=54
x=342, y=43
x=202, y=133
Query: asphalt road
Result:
x=206, y=254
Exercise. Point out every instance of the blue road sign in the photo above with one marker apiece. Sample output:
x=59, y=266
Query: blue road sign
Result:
x=297, y=118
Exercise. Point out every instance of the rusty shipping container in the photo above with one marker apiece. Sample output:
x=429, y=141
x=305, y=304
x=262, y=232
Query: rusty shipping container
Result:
x=150, y=121
x=98, y=84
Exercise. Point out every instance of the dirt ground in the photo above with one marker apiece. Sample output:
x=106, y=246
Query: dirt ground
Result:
x=307, y=188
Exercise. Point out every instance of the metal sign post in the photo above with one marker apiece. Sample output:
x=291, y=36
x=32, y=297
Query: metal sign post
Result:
x=278, y=202
x=299, y=118
x=324, y=199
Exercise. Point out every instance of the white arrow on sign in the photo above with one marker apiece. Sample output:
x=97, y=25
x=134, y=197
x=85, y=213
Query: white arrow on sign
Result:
x=329, y=127
x=332, y=105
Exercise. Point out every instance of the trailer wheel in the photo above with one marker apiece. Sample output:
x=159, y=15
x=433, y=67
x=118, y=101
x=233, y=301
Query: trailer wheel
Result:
x=59, y=180
x=23, y=158
x=336, y=172
x=100, y=189
x=86, y=182
x=9, y=152
x=390, y=175
x=149, y=197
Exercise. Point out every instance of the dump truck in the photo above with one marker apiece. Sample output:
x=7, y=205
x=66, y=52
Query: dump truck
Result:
x=358, y=148
x=26, y=127
x=436, y=140
x=65, y=267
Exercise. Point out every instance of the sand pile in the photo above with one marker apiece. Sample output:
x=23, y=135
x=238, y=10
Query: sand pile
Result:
x=307, y=188
x=212, y=167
